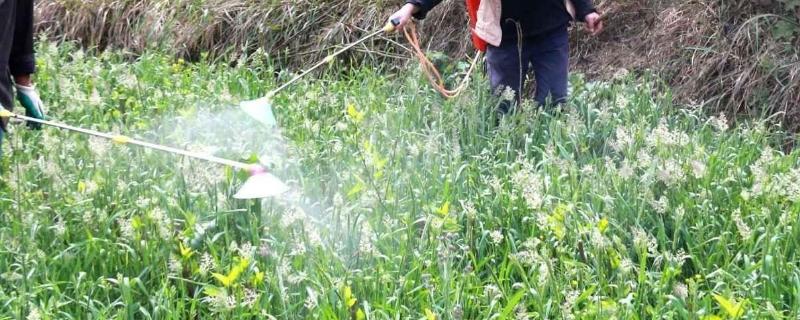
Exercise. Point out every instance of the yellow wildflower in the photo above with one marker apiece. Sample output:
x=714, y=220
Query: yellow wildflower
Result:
x=258, y=278
x=347, y=296
x=354, y=114
x=186, y=252
x=429, y=315
x=602, y=225
x=444, y=210
x=730, y=306
x=233, y=275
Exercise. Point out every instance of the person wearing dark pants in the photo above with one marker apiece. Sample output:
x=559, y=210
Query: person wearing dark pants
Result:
x=534, y=33
x=17, y=60
x=547, y=53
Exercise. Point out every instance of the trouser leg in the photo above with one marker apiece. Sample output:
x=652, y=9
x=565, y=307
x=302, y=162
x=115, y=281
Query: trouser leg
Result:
x=6, y=88
x=6, y=91
x=7, y=22
x=6, y=101
x=550, y=59
x=507, y=66
x=8, y=13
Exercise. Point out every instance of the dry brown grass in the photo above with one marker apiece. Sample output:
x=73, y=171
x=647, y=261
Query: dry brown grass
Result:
x=291, y=30
x=722, y=54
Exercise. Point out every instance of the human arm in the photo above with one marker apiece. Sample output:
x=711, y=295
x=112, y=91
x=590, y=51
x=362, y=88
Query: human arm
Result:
x=413, y=8
x=22, y=62
x=424, y=6
x=586, y=12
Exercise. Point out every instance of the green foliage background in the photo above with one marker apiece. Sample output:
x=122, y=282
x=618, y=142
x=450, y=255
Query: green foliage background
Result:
x=405, y=205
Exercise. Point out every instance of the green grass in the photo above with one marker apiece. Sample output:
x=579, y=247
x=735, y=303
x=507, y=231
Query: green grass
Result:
x=404, y=205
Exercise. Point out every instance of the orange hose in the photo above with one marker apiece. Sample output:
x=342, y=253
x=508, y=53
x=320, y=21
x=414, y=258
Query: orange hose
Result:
x=433, y=75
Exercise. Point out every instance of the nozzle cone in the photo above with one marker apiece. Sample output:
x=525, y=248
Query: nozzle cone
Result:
x=260, y=110
x=261, y=185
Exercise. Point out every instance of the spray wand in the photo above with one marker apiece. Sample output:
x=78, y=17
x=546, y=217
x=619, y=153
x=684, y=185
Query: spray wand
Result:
x=256, y=108
x=261, y=183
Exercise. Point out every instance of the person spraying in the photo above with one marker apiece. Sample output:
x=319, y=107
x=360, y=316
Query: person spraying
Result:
x=517, y=34
x=17, y=61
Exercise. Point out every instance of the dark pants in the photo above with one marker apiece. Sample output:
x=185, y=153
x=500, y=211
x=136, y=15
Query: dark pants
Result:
x=548, y=53
x=16, y=48
x=16, y=45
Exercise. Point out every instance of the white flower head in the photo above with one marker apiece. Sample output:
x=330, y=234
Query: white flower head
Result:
x=311, y=301
x=530, y=184
x=599, y=240
x=527, y=257
x=469, y=209
x=337, y=146
x=175, y=267
x=99, y=146
x=626, y=265
x=221, y=302
x=744, y=229
x=569, y=302
x=680, y=212
x=663, y=136
x=492, y=292
x=250, y=297
x=619, y=74
x=720, y=122
x=496, y=237
x=299, y=249
x=661, y=205
x=680, y=290
x=698, y=169
x=496, y=184
x=246, y=250
x=292, y=215
x=413, y=149
x=520, y=313
x=508, y=94
x=622, y=141
x=627, y=302
x=643, y=159
x=34, y=314
x=670, y=173
x=126, y=228
x=207, y=264
x=644, y=241
x=142, y=202
x=163, y=223
x=587, y=170
x=625, y=170
x=59, y=228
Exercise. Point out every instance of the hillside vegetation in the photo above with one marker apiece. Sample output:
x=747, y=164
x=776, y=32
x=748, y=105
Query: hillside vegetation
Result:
x=404, y=205
x=663, y=188
x=740, y=57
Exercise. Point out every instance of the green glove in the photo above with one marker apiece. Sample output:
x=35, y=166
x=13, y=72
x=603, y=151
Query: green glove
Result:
x=34, y=108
